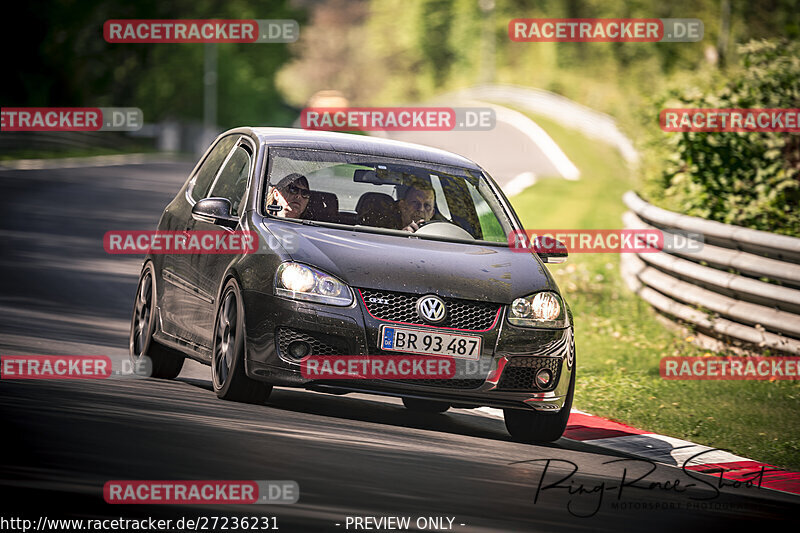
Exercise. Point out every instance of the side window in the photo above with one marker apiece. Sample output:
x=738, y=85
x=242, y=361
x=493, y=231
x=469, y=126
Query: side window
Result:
x=491, y=228
x=205, y=175
x=232, y=180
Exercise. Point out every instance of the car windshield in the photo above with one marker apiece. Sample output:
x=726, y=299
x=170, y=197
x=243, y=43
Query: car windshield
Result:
x=370, y=192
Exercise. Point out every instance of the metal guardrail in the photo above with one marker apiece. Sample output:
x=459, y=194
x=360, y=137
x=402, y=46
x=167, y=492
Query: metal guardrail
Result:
x=739, y=285
x=62, y=140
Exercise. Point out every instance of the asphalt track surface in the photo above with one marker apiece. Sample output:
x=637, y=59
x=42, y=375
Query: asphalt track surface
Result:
x=505, y=154
x=352, y=455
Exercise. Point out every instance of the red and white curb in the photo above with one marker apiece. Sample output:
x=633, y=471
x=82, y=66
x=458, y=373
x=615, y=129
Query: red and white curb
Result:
x=598, y=431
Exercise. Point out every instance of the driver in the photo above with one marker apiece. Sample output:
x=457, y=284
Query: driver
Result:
x=292, y=194
x=417, y=206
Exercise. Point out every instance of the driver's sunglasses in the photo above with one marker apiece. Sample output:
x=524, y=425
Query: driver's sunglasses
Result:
x=293, y=189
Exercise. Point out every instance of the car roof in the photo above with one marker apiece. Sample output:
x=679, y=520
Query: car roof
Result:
x=348, y=142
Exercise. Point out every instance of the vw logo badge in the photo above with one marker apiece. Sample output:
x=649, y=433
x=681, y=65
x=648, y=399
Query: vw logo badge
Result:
x=431, y=309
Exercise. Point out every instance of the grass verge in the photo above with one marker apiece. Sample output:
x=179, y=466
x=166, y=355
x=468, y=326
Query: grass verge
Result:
x=619, y=340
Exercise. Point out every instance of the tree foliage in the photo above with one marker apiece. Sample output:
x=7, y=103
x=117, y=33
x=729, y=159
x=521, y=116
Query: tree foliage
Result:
x=58, y=57
x=436, y=23
x=746, y=179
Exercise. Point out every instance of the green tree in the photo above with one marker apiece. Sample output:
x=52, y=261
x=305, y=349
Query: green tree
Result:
x=58, y=57
x=436, y=17
x=746, y=179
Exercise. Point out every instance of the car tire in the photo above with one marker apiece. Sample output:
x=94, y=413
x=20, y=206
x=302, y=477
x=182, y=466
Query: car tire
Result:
x=166, y=362
x=228, y=376
x=425, y=406
x=536, y=427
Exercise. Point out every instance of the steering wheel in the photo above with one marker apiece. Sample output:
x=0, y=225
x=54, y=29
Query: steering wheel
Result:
x=443, y=228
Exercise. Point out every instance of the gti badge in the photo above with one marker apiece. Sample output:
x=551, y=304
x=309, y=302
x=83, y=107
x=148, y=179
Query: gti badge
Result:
x=431, y=309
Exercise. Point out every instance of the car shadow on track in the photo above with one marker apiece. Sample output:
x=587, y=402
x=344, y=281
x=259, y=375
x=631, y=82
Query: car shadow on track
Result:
x=380, y=410
x=389, y=411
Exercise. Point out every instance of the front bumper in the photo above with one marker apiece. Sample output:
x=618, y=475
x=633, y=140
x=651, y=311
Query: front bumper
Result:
x=510, y=355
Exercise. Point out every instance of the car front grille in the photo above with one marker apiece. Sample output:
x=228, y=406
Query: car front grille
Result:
x=443, y=383
x=402, y=307
x=519, y=373
x=286, y=336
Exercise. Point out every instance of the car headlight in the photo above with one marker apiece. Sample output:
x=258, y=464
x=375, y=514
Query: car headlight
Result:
x=540, y=310
x=301, y=282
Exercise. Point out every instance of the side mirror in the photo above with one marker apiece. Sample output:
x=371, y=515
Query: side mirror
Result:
x=550, y=250
x=215, y=211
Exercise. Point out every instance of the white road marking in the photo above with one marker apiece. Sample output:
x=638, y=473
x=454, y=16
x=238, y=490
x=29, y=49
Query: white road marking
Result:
x=519, y=183
x=540, y=138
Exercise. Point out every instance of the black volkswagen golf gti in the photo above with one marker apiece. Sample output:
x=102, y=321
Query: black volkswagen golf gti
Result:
x=364, y=245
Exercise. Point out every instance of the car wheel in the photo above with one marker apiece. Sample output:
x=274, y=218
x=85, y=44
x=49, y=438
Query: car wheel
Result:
x=166, y=362
x=533, y=426
x=227, y=363
x=425, y=406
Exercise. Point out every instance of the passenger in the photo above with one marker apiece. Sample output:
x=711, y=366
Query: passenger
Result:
x=417, y=206
x=292, y=194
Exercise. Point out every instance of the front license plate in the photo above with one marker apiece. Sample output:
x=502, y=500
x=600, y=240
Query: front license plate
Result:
x=429, y=342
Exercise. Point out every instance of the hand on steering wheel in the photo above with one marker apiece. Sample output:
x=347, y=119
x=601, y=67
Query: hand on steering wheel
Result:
x=414, y=226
